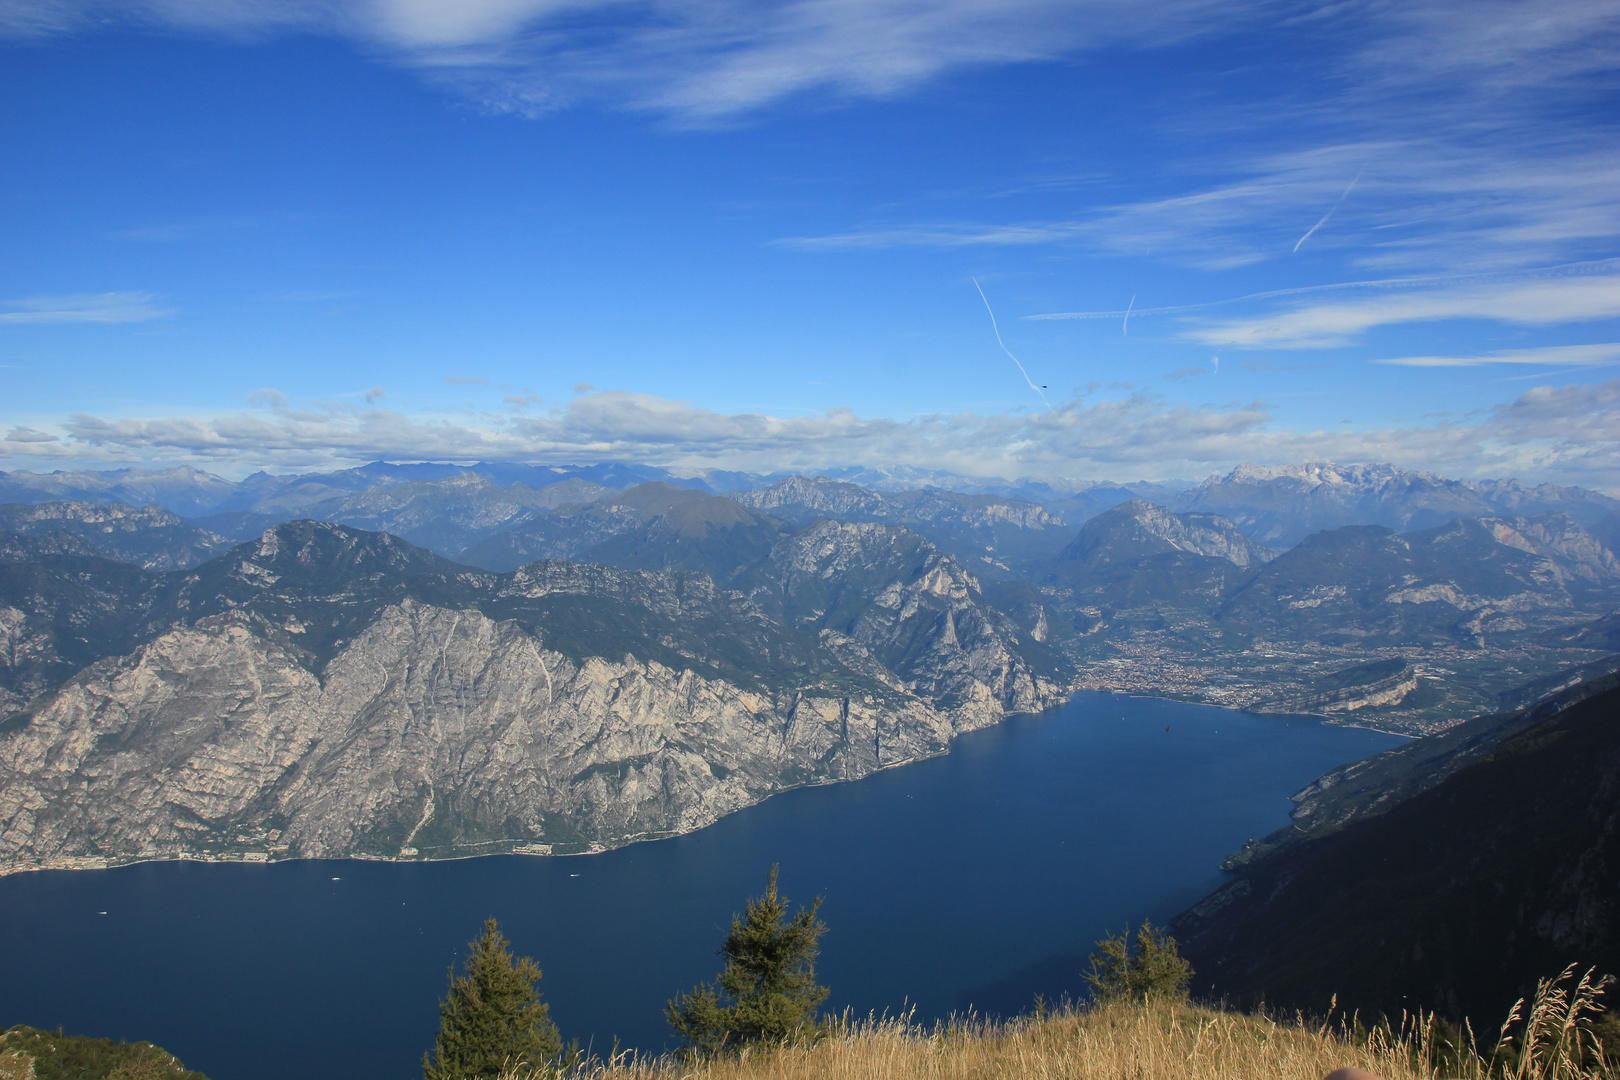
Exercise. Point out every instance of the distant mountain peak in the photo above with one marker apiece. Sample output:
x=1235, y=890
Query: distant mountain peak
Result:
x=1316, y=473
x=1138, y=527
x=1282, y=504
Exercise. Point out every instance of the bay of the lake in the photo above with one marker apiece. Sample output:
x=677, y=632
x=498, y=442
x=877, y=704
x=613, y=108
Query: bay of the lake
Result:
x=973, y=880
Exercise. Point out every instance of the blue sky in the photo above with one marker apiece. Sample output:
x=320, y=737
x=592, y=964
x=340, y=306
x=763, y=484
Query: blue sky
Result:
x=293, y=235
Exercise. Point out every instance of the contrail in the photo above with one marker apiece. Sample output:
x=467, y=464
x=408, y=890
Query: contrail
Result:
x=1329, y=214
x=1003, y=344
x=1126, y=328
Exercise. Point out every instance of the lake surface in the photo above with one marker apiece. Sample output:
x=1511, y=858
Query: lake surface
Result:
x=973, y=880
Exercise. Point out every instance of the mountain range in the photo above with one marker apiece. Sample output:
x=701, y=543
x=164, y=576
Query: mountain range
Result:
x=325, y=691
x=428, y=660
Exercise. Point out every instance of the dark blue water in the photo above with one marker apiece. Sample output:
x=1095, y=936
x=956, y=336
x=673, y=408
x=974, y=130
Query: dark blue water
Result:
x=977, y=879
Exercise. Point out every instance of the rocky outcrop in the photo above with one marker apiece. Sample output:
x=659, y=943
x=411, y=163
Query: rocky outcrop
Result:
x=1138, y=528
x=435, y=731
x=833, y=498
x=916, y=610
x=1363, y=687
x=1574, y=554
x=149, y=537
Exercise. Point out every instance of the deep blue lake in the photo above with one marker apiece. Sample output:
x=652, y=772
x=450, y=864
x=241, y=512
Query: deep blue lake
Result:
x=976, y=879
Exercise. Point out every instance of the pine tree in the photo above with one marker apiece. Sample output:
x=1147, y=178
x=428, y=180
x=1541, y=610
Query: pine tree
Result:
x=1154, y=970
x=492, y=1019
x=767, y=991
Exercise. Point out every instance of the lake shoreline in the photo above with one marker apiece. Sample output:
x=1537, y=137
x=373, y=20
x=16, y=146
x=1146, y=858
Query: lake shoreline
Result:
x=526, y=847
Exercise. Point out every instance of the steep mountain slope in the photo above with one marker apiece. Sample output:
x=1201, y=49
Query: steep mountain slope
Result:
x=1138, y=528
x=1138, y=555
x=1460, y=581
x=992, y=534
x=60, y=612
x=15, y=548
x=674, y=529
x=1362, y=790
x=1457, y=899
x=914, y=609
x=1281, y=505
x=327, y=691
x=150, y=537
x=320, y=584
x=441, y=730
x=649, y=526
x=1081, y=506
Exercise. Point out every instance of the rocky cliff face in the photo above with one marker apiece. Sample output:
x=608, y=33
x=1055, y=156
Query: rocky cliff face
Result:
x=1364, y=686
x=916, y=610
x=328, y=692
x=795, y=496
x=1138, y=528
x=436, y=730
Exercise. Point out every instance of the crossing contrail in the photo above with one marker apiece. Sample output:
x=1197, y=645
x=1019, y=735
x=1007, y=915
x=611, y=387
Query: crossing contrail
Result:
x=1003, y=345
x=1329, y=214
x=1125, y=329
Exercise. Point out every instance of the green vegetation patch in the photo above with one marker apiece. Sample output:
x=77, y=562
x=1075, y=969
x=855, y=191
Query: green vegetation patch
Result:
x=59, y=1056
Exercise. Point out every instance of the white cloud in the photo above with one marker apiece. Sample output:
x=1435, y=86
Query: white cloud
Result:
x=1549, y=356
x=113, y=307
x=693, y=58
x=1571, y=434
x=1421, y=203
x=1481, y=135
x=1545, y=301
x=23, y=434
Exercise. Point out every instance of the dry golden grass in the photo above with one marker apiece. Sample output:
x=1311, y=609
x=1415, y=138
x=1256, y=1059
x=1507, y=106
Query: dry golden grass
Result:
x=1121, y=1042
x=1156, y=1041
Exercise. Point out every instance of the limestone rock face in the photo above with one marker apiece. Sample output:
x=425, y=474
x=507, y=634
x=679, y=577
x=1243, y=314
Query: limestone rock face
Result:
x=325, y=691
x=434, y=730
x=917, y=611
x=1138, y=527
x=818, y=493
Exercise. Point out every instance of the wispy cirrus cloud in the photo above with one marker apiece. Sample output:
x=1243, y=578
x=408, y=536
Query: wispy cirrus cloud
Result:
x=1458, y=138
x=718, y=57
x=1419, y=204
x=1572, y=356
x=1537, y=301
x=111, y=307
x=696, y=59
x=1569, y=433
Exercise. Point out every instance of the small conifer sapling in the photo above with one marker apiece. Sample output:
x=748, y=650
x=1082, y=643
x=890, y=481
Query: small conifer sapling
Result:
x=1153, y=970
x=767, y=992
x=492, y=1020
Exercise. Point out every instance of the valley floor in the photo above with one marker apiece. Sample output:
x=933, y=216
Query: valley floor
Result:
x=1452, y=684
